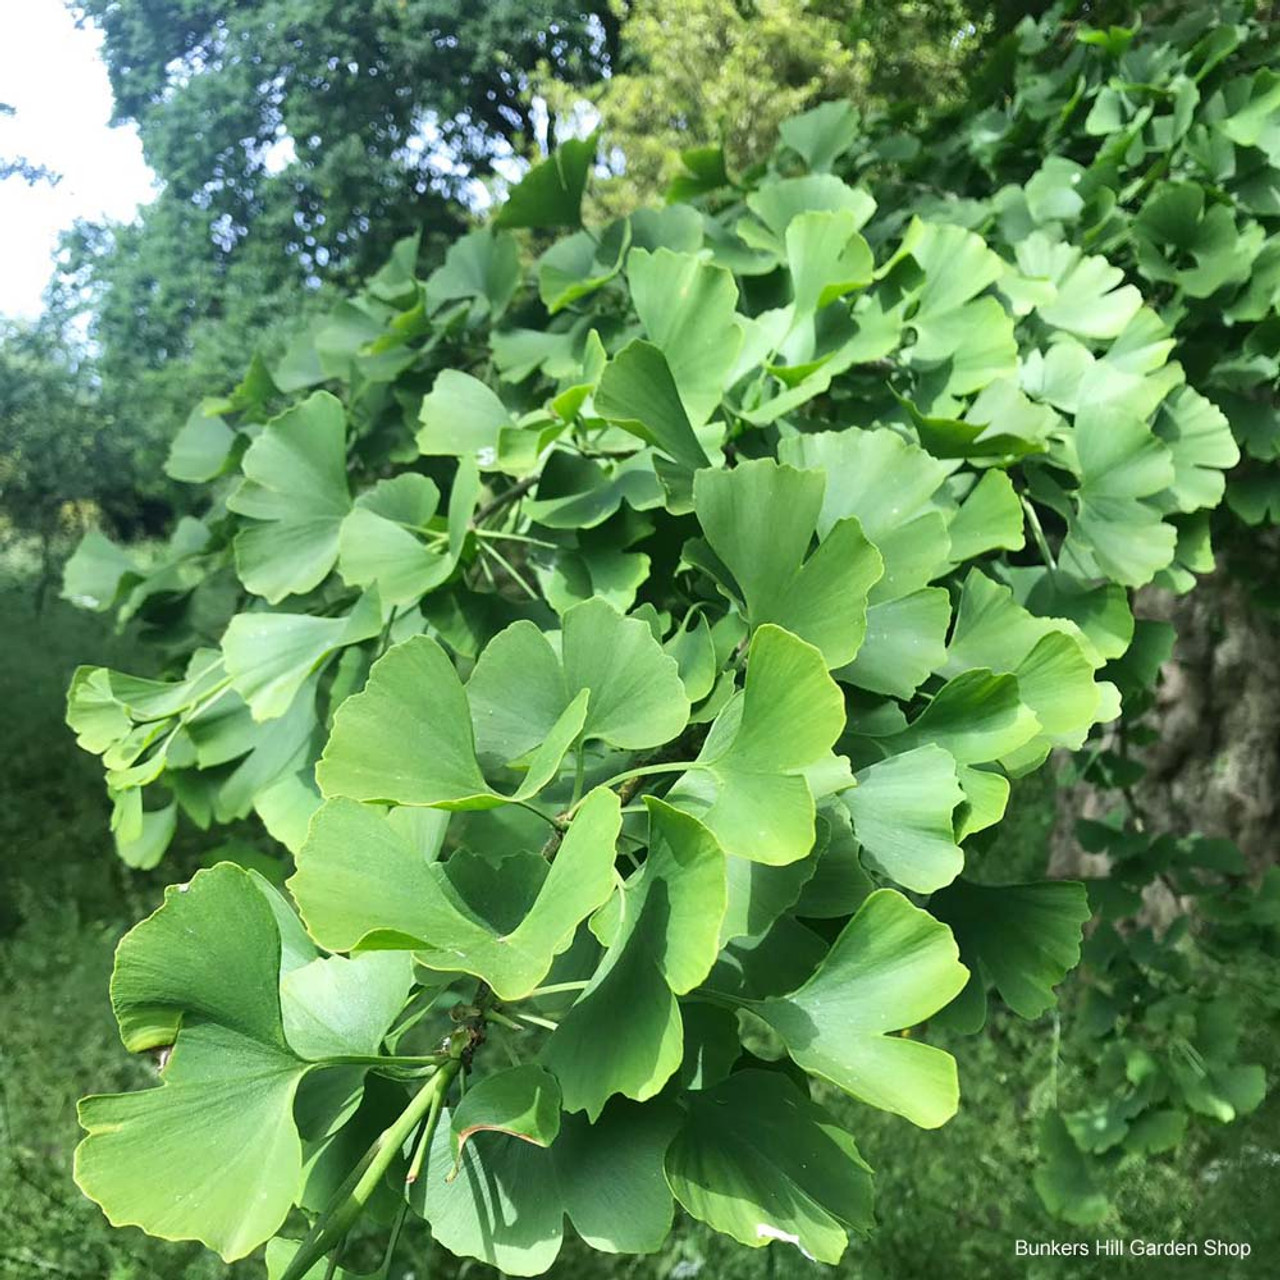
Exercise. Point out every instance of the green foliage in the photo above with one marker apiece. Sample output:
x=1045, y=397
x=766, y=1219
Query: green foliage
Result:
x=614, y=762
x=1153, y=143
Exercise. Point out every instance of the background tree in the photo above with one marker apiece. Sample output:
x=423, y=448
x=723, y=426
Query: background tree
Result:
x=705, y=72
x=60, y=463
x=296, y=143
x=20, y=166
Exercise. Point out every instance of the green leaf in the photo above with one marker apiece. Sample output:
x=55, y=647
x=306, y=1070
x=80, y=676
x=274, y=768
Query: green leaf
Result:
x=967, y=339
x=637, y=392
x=221, y=1122
x=749, y=783
x=523, y=1101
x=777, y=203
x=1121, y=462
x=381, y=541
x=295, y=488
x=1202, y=447
x=575, y=267
x=892, y=487
x=1023, y=939
x=902, y=814
x=760, y=519
x=756, y=1160
x=892, y=967
x=823, y=135
x=977, y=717
x=522, y=686
x=369, y=758
x=508, y=1203
x=269, y=656
x=701, y=338
x=1064, y=1179
x=989, y=519
x=704, y=172
x=202, y=449
x=624, y=1033
x=334, y=1006
x=550, y=194
x=361, y=882
x=1090, y=298
x=92, y=576
x=827, y=257
x=462, y=418
x=484, y=266
x=1055, y=675
x=1255, y=117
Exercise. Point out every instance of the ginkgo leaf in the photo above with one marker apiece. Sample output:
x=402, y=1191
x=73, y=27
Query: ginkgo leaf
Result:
x=1121, y=462
x=483, y=265
x=970, y=335
x=1065, y=1180
x=522, y=1101
x=760, y=519
x=522, y=684
x=1090, y=298
x=902, y=814
x=381, y=542
x=369, y=755
x=550, y=194
x=775, y=204
x=822, y=135
x=624, y=1034
x=295, y=489
x=269, y=656
x=977, y=716
x=905, y=642
x=202, y=449
x=361, y=882
x=1023, y=939
x=205, y=971
x=701, y=338
x=827, y=258
x=637, y=391
x=749, y=782
x=508, y=1202
x=1055, y=675
x=1202, y=448
x=892, y=966
x=892, y=487
x=462, y=418
x=756, y=1160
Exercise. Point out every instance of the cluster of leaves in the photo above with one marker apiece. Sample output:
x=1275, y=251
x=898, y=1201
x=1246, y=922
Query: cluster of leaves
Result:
x=1181, y=957
x=1159, y=1023
x=1157, y=144
x=629, y=646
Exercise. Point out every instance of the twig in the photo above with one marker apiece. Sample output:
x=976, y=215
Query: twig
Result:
x=504, y=499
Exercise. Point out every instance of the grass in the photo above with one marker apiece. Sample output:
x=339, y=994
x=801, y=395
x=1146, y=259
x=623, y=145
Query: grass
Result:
x=951, y=1203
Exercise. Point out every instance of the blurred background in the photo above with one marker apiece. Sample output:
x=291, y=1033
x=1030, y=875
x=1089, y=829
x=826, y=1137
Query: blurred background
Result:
x=184, y=183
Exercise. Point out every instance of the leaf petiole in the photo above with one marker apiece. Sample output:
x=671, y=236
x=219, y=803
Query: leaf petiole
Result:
x=348, y=1201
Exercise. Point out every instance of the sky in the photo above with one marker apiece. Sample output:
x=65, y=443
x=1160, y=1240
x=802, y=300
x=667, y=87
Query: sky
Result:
x=51, y=74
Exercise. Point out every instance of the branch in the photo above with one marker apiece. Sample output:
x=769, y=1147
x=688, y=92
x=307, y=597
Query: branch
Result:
x=504, y=499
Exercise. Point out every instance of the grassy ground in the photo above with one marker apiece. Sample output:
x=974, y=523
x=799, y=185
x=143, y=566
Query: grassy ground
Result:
x=951, y=1203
